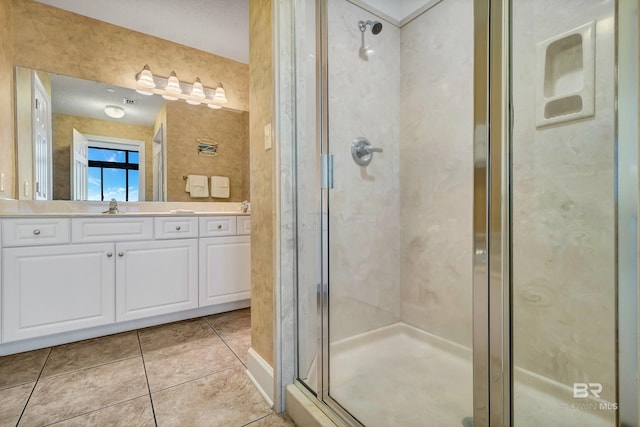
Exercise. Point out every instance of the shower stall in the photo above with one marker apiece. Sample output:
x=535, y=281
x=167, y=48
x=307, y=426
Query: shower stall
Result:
x=465, y=197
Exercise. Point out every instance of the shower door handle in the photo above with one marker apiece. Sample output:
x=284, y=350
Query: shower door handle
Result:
x=362, y=151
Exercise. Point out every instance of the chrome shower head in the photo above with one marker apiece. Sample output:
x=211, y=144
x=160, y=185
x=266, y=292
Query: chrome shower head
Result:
x=376, y=26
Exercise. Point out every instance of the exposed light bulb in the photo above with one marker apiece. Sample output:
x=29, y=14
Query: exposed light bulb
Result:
x=169, y=97
x=214, y=106
x=193, y=101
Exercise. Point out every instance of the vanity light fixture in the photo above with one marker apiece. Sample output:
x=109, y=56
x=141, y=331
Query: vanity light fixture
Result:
x=197, y=92
x=114, y=111
x=173, y=89
x=220, y=96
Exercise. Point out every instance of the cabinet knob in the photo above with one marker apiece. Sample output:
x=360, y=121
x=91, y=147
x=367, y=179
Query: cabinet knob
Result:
x=177, y=228
x=36, y=232
x=219, y=226
x=109, y=254
x=120, y=254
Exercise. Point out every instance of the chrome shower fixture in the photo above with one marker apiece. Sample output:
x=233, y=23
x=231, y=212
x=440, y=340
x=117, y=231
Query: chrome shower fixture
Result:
x=376, y=26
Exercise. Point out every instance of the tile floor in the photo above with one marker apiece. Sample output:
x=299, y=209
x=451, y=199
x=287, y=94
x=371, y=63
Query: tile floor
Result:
x=189, y=373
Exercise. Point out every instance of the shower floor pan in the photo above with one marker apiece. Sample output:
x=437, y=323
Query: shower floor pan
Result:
x=399, y=375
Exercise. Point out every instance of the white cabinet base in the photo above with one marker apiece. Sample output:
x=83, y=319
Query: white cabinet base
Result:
x=51, y=289
x=156, y=277
x=114, y=328
x=225, y=269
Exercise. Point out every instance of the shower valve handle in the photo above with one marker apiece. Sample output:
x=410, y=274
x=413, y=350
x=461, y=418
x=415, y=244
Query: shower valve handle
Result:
x=362, y=151
x=371, y=149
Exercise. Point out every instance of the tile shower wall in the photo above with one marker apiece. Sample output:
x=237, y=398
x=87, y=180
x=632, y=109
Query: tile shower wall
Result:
x=436, y=174
x=365, y=202
x=563, y=215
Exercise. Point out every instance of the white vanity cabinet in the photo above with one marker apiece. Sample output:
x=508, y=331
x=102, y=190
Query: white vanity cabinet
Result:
x=69, y=278
x=58, y=288
x=225, y=260
x=156, y=277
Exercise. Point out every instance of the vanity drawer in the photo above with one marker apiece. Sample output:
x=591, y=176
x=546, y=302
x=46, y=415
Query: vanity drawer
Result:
x=243, y=225
x=176, y=228
x=89, y=230
x=217, y=226
x=35, y=231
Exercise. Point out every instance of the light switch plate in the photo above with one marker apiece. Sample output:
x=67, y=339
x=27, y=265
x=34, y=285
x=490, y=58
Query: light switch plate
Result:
x=267, y=137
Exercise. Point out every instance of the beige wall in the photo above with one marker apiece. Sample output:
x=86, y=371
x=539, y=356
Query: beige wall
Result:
x=54, y=40
x=229, y=129
x=262, y=170
x=7, y=148
x=63, y=126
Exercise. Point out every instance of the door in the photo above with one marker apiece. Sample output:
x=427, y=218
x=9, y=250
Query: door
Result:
x=225, y=269
x=400, y=212
x=42, y=142
x=79, y=167
x=158, y=166
x=156, y=277
x=53, y=289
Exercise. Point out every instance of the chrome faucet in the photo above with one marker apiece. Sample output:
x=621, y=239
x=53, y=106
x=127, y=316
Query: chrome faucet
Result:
x=113, y=207
x=245, y=207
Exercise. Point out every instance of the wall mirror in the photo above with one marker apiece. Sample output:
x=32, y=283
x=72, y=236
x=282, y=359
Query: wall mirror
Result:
x=86, y=140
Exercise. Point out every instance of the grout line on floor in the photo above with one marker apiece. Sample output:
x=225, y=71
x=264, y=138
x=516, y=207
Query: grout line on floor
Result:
x=24, y=408
x=95, y=410
x=144, y=366
x=225, y=342
x=196, y=379
x=256, y=420
x=94, y=366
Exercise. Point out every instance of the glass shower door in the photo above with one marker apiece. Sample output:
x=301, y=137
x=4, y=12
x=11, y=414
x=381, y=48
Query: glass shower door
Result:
x=564, y=224
x=399, y=111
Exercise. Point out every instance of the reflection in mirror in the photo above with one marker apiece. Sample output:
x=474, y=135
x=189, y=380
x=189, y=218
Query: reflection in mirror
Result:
x=85, y=140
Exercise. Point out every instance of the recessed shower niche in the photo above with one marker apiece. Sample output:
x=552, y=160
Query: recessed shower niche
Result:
x=565, y=73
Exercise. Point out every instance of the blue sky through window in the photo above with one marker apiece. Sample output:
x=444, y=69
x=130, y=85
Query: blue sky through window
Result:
x=115, y=184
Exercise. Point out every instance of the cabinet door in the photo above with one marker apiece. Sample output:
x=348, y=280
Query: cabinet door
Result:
x=156, y=277
x=52, y=289
x=225, y=269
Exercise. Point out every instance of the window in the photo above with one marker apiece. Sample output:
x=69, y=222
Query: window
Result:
x=113, y=174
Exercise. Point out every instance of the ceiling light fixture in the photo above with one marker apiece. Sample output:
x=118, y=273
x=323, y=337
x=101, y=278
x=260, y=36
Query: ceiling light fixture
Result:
x=114, y=111
x=173, y=89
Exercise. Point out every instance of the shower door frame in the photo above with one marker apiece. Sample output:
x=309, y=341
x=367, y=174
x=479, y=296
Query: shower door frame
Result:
x=491, y=261
x=492, y=370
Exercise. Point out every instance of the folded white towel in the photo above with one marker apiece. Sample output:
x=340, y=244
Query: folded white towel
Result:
x=220, y=187
x=197, y=186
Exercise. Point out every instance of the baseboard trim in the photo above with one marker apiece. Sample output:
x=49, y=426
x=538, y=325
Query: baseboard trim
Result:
x=261, y=375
